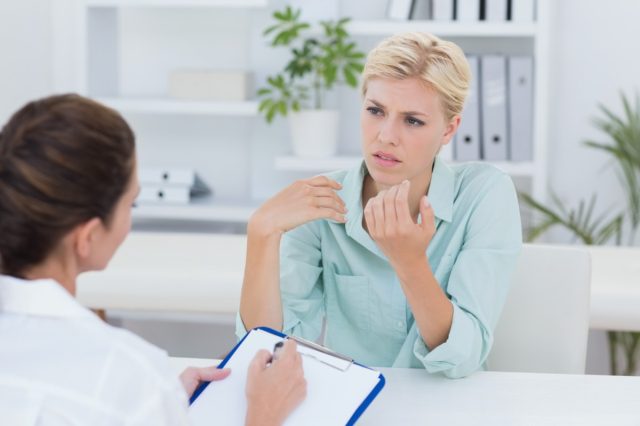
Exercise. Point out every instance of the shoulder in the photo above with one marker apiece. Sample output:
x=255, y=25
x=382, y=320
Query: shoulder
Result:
x=477, y=181
x=478, y=175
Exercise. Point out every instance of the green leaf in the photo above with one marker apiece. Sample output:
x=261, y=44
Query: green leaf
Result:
x=264, y=91
x=349, y=77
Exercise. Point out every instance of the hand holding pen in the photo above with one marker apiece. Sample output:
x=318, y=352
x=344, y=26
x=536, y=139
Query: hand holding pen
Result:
x=275, y=384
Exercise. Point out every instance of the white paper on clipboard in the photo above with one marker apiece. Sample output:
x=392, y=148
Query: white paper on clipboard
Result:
x=333, y=394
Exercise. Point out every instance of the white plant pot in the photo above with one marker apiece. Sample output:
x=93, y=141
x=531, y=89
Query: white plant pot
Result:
x=314, y=133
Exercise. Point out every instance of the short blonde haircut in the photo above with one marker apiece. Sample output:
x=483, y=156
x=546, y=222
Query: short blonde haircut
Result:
x=438, y=63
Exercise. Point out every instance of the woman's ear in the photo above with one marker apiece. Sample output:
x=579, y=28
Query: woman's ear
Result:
x=86, y=235
x=451, y=129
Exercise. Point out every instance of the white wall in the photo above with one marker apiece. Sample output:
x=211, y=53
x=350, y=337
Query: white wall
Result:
x=25, y=53
x=594, y=56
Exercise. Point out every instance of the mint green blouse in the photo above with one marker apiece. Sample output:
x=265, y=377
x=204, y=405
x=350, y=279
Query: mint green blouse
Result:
x=335, y=273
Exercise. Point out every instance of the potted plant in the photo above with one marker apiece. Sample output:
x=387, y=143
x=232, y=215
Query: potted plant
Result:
x=317, y=65
x=624, y=147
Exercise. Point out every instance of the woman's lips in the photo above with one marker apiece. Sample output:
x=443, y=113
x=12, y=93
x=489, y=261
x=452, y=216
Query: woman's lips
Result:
x=385, y=160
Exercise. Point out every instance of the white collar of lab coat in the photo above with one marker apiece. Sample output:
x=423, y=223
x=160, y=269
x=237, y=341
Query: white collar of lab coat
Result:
x=43, y=297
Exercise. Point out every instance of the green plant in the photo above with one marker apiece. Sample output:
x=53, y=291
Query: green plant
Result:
x=624, y=147
x=316, y=66
x=624, y=133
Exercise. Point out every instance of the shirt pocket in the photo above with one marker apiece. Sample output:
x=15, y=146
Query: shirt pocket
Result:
x=349, y=302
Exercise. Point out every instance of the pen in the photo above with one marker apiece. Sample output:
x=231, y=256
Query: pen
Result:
x=276, y=349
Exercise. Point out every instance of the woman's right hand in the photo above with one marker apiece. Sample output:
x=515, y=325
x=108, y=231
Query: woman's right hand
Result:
x=274, y=388
x=301, y=202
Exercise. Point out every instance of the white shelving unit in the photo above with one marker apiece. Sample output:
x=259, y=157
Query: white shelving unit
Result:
x=174, y=106
x=120, y=51
x=177, y=3
x=207, y=209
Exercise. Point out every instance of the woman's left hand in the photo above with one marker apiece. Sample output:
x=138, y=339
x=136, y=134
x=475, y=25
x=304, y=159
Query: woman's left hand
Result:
x=193, y=376
x=391, y=226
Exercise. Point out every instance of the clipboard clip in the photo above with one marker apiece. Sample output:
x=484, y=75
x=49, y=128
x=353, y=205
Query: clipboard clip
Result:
x=340, y=362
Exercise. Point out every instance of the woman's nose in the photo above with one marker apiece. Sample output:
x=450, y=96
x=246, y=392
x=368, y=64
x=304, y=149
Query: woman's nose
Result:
x=388, y=133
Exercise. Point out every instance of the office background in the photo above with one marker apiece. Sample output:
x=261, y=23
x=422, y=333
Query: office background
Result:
x=592, y=56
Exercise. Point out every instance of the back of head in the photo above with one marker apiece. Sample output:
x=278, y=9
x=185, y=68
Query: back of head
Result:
x=63, y=161
x=439, y=64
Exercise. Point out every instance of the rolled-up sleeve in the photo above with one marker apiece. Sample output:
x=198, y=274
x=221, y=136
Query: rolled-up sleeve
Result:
x=479, y=281
x=301, y=286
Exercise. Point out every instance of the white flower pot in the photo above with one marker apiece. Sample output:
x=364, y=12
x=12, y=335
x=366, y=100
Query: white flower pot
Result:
x=314, y=133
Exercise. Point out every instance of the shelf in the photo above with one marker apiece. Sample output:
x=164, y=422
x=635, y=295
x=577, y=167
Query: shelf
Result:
x=176, y=106
x=177, y=3
x=515, y=169
x=206, y=209
x=443, y=29
x=292, y=163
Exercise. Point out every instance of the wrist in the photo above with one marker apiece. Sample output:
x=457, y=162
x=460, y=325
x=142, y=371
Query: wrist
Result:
x=259, y=227
x=257, y=418
x=411, y=268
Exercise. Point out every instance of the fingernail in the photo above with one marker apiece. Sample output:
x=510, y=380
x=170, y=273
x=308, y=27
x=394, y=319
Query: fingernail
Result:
x=404, y=182
x=426, y=201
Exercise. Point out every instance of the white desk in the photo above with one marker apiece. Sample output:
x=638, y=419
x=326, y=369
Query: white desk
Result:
x=413, y=397
x=615, y=288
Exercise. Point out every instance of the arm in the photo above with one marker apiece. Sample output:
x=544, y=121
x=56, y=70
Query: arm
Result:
x=405, y=243
x=479, y=281
x=456, y=328
x=302, y=202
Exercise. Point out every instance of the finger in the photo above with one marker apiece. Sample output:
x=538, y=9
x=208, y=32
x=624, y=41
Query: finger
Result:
x=330, y=214
x=260, y=361
x=289, y=351
x=209, y=374
x=369, y=216
x=402, y=203
x=427, y=214
x=378, y=214
x=389, y=206
x=329, y=202
x=324, y=181
x=322, y=191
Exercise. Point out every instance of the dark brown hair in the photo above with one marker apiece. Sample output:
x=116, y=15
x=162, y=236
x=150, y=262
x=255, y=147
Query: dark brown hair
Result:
x=63, y=160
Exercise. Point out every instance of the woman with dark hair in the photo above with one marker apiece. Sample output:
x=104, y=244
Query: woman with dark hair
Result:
x=67, y=184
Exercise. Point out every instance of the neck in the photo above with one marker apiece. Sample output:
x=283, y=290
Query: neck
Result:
x=57, y=267
x=419, y=188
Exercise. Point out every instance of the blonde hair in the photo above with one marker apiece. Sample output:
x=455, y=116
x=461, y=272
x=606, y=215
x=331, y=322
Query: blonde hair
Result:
x=438, y=63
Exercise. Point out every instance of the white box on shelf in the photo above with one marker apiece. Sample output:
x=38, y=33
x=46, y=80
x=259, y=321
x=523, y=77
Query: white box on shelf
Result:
x=210, y=85
x=166, y=194
x=171, y=177
x=167, y=176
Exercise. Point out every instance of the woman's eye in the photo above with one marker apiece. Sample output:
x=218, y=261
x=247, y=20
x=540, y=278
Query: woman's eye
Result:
x=414, y=122
x=374, y=110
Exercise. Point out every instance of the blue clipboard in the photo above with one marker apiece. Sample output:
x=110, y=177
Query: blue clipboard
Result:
x=357, y=413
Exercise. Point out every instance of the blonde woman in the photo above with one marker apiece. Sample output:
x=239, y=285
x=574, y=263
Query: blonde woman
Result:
x=406, y=258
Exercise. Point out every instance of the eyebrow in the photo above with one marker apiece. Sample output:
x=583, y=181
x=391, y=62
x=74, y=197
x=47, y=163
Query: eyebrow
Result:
x=379, y=105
